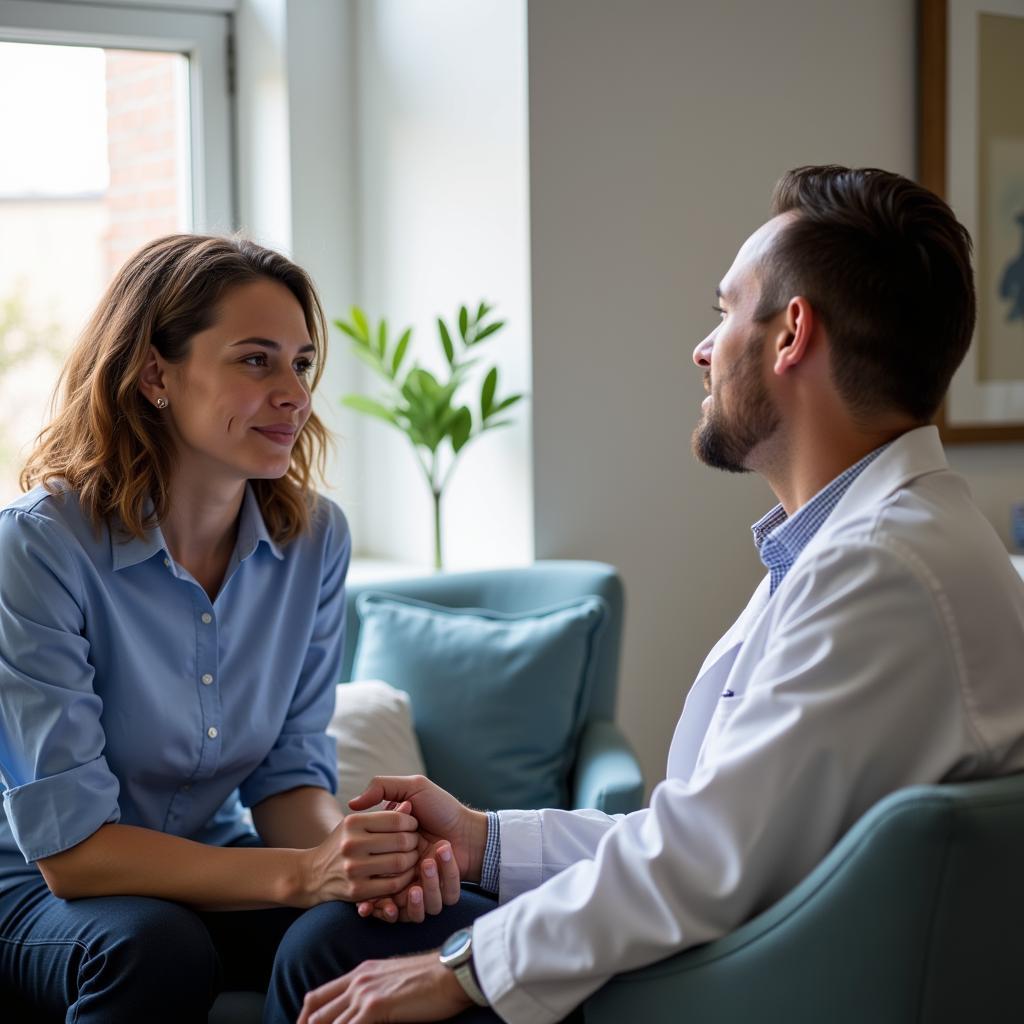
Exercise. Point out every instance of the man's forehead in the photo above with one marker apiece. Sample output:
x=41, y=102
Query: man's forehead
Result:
x=752, y=251
x=761, y=240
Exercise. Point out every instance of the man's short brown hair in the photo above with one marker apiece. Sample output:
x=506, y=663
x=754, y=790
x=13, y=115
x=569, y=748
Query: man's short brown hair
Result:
x=887, y=267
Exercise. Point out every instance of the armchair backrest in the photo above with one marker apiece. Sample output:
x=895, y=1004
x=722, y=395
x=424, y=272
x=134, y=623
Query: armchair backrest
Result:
x=977, y=932
x=518, y=590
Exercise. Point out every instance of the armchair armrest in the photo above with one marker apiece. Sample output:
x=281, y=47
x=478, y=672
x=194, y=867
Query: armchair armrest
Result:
x=607, y=774
x=849, y=943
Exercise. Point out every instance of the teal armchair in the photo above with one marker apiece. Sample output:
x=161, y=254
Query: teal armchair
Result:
x=914, y=916
x=606, y=773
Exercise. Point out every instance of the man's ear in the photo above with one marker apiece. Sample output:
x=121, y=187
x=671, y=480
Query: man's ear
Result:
x=151, y=380
x=793, y=341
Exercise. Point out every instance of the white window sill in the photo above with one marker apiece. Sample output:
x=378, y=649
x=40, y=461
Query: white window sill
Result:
x=379, y=570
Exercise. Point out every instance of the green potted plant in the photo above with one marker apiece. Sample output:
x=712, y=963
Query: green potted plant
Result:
x=427, y=409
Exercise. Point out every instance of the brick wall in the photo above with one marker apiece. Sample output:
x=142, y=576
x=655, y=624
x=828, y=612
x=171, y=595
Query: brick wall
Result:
x=143, y=146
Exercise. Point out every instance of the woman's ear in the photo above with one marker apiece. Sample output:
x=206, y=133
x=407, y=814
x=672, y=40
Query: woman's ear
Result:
x=151, y=380
x=793, y=342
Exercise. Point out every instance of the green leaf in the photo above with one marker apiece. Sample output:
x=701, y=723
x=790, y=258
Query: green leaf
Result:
x=422, y=422
x=350, y=331
x=461, y=367
x=359, y=319
x=382, y=338
x=463, y=321
x=461, y=429
x=482, y=311
x=370, y=407
x=487, y=393
x=507, y=403
x=424, y=382
x=446, y=341
x=494, y=424
x=488, y=331
x=403, y=344
x=370, y=357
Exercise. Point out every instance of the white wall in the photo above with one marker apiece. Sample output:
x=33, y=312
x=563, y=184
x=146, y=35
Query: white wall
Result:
x=298, y=152
x=443, y=219
x=996, y=476
x=657, y=130
x=382, y=144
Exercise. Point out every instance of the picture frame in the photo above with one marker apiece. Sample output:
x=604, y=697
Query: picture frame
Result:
x=971, y=152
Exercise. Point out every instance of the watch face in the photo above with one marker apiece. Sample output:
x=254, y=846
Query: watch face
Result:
x=455, y=943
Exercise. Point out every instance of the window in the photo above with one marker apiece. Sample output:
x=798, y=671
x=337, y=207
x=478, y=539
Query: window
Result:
x=116, y=132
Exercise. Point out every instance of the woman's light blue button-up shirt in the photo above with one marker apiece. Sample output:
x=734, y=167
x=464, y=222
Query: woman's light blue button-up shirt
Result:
x=126, y=695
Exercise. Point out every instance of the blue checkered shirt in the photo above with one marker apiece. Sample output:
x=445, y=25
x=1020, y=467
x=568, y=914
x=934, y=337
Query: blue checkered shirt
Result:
x=779, y=539
x=492, y=854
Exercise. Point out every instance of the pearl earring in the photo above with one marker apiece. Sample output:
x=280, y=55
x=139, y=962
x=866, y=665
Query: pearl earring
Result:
x=161, y=403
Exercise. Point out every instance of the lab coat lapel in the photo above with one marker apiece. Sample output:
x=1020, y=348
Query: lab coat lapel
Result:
x=915, y=453
x=707, y=689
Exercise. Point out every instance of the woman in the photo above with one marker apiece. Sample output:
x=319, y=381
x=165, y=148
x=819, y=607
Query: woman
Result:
x=171, y=621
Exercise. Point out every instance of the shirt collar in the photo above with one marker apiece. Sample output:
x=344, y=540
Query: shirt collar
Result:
x=767, y=523
x=780, y=538
x=252, y=530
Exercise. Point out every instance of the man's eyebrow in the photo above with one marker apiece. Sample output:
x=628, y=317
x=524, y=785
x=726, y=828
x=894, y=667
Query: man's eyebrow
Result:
x=267, y=343
x=719, y=293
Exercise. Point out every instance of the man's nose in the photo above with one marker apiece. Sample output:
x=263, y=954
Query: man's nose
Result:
x=702, y=353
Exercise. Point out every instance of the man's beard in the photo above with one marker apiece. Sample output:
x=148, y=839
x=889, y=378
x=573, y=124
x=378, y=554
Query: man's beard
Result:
x=726, y=443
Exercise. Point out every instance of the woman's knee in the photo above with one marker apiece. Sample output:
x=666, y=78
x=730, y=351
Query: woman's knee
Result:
x=149, y=956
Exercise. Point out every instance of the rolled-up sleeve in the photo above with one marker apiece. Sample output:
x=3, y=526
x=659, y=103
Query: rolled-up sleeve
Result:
x=303, y=754
x=58, y=789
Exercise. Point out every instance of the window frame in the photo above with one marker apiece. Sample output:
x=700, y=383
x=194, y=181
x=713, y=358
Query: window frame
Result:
x=204, y=37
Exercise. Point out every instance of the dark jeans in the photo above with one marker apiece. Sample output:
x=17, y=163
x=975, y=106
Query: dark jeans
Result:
x=131, y=958
x=331, y=939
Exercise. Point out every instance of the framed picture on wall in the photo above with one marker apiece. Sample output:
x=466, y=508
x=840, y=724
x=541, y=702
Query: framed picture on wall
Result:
x=971, y=151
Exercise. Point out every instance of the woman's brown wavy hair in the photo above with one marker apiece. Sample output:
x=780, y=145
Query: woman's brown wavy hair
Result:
x=107, y=442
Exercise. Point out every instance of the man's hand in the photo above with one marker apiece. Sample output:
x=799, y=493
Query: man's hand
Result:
x=439, y=814
x=412, y=988
x=451, y=835
x=437, y=887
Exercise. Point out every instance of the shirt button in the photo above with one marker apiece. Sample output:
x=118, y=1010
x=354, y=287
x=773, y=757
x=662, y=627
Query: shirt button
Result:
x=167, y=562
x=212, y=732
x=207, y=679
x=187, y=786
x=206, y=617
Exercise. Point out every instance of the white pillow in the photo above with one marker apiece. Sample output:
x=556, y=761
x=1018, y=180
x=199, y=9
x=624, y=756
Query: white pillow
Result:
x=373, y=735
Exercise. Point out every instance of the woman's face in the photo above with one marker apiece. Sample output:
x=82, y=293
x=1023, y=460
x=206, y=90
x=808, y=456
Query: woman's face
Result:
x=239, y=399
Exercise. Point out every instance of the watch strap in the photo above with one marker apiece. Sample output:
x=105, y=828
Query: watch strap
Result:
x=466, y=977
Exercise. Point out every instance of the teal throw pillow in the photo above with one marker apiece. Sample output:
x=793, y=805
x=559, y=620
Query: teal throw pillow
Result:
x=497, y=699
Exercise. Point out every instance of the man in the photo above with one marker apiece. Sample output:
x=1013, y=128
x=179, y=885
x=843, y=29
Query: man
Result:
x=883, y=649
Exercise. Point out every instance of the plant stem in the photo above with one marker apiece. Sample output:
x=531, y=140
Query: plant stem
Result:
x=437, y=529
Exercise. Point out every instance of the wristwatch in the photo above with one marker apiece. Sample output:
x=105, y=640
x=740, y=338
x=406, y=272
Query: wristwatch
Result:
x=457, y=956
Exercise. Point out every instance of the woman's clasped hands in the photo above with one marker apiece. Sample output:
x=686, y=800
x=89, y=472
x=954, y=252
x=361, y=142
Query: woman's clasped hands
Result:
x=384, y=861
x=450, y=845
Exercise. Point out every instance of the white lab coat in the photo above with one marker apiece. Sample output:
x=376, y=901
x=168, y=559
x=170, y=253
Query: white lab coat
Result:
x=891, y=654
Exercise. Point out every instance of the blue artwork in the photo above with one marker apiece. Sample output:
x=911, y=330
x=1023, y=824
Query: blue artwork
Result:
x=1011, y=286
